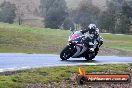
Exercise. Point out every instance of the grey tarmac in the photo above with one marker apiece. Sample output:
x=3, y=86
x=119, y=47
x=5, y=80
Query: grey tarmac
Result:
x=20, y=61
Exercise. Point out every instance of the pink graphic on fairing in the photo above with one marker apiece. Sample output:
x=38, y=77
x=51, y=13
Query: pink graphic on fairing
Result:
x=74, y=37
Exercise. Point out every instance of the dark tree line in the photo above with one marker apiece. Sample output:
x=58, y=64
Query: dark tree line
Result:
x=86, y=13
x=116, y=18
x=54, y=12
x=7, y=12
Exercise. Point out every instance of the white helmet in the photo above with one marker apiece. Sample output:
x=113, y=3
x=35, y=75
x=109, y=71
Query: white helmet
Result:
x=92, y=28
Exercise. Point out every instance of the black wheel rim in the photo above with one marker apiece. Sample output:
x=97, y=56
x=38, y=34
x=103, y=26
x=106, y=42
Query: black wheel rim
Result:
x=66, y=55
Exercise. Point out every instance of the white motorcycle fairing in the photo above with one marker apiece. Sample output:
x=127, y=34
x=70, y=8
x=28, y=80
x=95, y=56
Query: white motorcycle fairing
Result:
x=80, y=49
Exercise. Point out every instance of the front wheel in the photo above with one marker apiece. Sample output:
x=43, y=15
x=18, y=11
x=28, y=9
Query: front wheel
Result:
x=66, y=53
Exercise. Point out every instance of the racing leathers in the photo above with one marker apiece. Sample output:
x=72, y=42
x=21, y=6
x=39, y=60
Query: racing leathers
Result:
x=90, y=40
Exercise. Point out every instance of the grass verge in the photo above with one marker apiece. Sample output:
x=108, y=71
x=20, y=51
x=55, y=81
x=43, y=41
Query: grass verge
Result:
x=26, y=39
x=20, y=79
x=121, y=42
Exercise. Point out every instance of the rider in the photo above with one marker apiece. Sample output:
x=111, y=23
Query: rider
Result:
x=94, y=36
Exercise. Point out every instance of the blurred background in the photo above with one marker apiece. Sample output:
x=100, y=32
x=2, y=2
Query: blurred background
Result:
x=111, y=16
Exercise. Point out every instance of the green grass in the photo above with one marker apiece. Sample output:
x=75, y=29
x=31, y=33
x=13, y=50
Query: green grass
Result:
x=26, y=39
x=15, y=38
x=53, y=74
x=121, y=42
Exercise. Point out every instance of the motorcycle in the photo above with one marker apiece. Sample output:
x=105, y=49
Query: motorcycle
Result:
x=76, y=49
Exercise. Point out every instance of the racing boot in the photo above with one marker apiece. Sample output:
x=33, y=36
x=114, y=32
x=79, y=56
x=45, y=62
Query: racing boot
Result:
x=91, y=47
x=88, y=43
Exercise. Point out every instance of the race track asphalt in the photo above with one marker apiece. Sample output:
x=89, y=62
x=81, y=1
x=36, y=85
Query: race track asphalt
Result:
x=18, y=61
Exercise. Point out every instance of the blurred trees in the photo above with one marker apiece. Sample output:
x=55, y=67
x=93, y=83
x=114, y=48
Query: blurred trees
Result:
x=7, y=12
x=86, y=13
x=54, y=12
x=117, y=17
x=68, y=24
x=126, y=18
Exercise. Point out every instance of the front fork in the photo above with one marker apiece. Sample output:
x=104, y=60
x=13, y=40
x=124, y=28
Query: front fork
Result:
x=72, y=47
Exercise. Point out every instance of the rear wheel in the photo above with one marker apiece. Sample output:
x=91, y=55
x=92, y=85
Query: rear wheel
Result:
x=90, y=56
x=66, y=53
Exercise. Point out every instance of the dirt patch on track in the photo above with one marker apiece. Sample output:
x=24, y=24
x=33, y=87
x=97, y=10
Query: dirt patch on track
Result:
x=115, y=52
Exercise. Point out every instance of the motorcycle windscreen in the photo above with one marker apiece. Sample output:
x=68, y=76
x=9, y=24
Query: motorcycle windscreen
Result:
x=75, y=38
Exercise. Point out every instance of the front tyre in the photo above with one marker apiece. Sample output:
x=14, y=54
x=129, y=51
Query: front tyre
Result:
x=65, y=53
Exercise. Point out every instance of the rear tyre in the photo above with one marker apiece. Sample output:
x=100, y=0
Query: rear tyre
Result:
x=90, y=56
x=65, y=53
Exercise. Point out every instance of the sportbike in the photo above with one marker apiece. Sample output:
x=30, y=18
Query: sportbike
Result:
x=76, y=49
